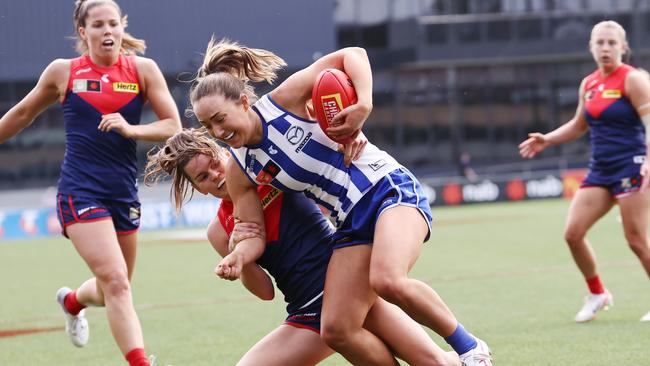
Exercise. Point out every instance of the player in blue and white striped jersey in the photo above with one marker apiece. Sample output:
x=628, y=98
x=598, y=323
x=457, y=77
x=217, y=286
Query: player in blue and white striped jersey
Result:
x=379, y=208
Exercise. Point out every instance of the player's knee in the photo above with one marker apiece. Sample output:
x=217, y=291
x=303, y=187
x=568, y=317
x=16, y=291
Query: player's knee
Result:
x=389, y=287
x=114, y=282
x=574, y=238
x=335, y=333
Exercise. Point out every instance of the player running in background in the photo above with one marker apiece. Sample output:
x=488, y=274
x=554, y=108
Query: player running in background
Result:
x=379, y=208
x=296, y=254
x=102, y=93
x=614, y=105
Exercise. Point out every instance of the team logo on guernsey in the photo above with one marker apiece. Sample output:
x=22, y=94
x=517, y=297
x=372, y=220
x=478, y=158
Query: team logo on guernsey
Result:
x=86, y=85
x=126, y=87
x=266, y=175
x=377, y=164
x=589, y=94
x=134, y=213
x=611, y=94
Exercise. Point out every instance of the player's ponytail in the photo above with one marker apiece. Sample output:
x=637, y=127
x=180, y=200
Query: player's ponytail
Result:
x=171, y=159
x=228, y=67
x=130, y=44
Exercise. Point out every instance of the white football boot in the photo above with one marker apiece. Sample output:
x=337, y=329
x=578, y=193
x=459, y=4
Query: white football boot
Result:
x=646, y=317
x=593, y=304
x=477, y=356
x=75, y=325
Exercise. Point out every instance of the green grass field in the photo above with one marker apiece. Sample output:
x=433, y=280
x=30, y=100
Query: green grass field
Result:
x=502, y=268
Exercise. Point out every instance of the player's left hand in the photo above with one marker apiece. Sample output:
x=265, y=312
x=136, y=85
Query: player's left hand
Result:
x=349, y=120
x=230, y=267
x=243, y=231
x=115, y=122
x=352, y=151
x=645, y=175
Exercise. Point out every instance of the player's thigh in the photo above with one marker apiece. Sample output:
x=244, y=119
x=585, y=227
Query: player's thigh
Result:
x=97, y=244
x=634, y=213
x=399, y=236
x=287, y=345
x=587, y=206
x=129, y=248
x=347, y=295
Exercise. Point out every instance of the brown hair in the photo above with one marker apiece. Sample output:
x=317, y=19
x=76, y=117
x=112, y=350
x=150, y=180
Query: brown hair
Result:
x=172, y=158
x=130, y=44
x=228, y=67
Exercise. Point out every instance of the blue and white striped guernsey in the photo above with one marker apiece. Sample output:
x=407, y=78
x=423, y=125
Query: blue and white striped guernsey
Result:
x=295, y=155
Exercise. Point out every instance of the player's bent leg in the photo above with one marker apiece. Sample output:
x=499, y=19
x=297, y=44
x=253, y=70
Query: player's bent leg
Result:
x=398, y=241
x=405, y=337
x=347, y=299
x=97, y=244
x=76, y=324
x=399, y=233
x=305, y=348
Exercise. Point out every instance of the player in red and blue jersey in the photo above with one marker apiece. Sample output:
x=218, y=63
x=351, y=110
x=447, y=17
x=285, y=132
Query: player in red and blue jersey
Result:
x=614, y=106
x=102, y=93
x=298, y=244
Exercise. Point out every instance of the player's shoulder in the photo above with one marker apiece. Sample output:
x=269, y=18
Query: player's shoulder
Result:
x=144, y=63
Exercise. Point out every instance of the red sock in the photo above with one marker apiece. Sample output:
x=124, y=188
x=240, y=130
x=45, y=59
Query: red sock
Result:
x=137, y=357
x=71, y=304
x=595, y=285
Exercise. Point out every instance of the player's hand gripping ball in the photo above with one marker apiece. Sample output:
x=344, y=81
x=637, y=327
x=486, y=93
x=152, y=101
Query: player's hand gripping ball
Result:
x=332, y=92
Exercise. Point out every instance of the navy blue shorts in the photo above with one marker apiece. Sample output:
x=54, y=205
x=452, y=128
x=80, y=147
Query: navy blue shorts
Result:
x=73, y=209
x=308, y=316
x=629, y=181
x=398, y=188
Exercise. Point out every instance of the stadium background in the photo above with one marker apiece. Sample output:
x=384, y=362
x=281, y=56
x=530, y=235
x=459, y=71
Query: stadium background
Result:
x=453, y=79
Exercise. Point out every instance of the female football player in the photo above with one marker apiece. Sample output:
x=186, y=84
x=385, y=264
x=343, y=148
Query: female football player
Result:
x=102, y=93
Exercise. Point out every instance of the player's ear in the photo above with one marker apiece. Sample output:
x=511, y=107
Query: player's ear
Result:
x=243, y=99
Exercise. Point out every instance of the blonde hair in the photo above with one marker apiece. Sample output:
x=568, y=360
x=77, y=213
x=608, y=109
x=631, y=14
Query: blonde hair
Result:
x=610, y=24
x=228, y=68
x=171, y=159
x=130, y=45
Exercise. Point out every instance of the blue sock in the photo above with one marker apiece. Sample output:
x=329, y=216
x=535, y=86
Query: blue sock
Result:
x=461, y=341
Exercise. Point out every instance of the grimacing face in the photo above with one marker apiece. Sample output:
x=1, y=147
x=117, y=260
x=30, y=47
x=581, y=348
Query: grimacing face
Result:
x=607, y=46
x=208, y=175
x=103, y=31
x=225, y=119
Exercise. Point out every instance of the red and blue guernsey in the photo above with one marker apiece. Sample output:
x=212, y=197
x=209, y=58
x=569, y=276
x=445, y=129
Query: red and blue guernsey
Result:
x=298, y=246
x=617, y=133
x=100, y=164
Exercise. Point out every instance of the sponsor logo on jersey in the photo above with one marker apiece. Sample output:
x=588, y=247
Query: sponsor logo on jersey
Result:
x=589, y=94
x=272, y=151
x=86, y=85
x=105, y=78
x=121, y=87
x=269, y=197
x=638, y=159
x=81, y=71
x=266, y=175
x=294, y=134
x=304, y=142
x=611, y=94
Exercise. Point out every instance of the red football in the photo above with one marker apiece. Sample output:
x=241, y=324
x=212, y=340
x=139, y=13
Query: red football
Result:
x=332, y=92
